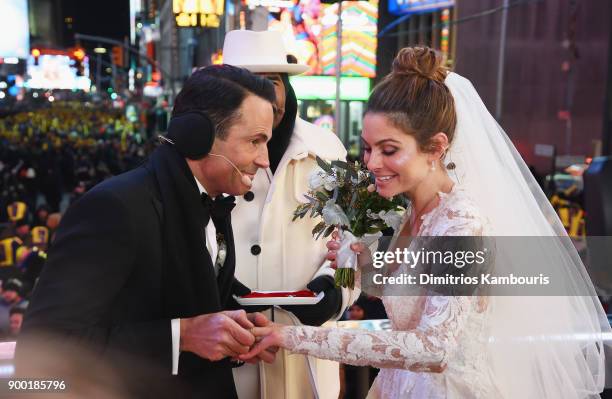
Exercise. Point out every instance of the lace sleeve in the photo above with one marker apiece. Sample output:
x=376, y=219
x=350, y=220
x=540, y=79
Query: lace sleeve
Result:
x=423, y=349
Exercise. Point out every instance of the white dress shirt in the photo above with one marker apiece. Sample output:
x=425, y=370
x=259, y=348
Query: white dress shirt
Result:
x=213, y=248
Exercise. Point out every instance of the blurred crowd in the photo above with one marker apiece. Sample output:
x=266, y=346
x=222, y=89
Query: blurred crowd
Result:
x=49, y=157
x=62, y=148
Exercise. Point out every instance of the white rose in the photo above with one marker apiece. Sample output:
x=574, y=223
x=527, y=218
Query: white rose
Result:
x=329, y=182
x=391, y=219
x=315, y=180
x=334, y=215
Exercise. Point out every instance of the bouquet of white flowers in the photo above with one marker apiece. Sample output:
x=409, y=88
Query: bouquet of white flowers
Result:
x=343, y=195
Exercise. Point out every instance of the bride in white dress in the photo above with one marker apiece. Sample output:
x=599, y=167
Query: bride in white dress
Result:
x=428, y=135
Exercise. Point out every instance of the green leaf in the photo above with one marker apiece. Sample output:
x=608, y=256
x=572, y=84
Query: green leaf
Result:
x=352, y=173
x=324, y=165
x=329, y=230
x=353, y=200
x=319, y=227
x=341, y=165
x=313, y=211
x=301, y=211
x=322, y=196
x=310, y=198
x=320, y=233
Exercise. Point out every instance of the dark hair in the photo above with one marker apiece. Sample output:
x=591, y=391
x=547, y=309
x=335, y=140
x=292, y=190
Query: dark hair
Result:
x=219, y=90
x=17, y=309
x=414, y=97
x=13, y=284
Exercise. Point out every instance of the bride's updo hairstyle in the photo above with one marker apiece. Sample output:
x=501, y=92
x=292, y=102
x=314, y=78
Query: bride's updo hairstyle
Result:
x=414, y=97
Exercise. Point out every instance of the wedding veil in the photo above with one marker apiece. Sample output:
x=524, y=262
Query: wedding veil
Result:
x=546, y=341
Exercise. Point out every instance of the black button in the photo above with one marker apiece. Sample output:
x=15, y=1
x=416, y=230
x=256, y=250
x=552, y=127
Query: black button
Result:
x=255, y=249
x=248, y=196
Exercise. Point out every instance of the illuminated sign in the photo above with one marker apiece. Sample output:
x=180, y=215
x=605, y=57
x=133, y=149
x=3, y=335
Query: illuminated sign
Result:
x=324, y=87
x=403, y=7
x=57, y=72
x=192, y=13
x=358, y=38
x=309, y=33
x=15, y=40
x=270, y=3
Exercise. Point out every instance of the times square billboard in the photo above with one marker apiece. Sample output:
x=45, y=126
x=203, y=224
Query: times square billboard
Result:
x=14, y=29
x=309, y=32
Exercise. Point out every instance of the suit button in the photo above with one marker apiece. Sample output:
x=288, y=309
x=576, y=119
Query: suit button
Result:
x=248, y=196
x=255, y=249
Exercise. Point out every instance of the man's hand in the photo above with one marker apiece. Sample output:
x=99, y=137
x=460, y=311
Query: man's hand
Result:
x=258, y=319
x=244, y=319
x=215, y=336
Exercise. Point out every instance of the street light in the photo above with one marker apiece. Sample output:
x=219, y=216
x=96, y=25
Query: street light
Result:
x=35, y=54
x=79, y=54
x=100, y=50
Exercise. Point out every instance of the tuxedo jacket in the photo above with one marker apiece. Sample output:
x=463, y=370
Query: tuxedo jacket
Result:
x=103, y=290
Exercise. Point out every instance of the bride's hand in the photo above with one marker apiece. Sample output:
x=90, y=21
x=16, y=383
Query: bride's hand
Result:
x=333, y=245
x=259, y=320
x=267, y=339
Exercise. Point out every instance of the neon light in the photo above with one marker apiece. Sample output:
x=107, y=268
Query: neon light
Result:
x=403, y=7
x=309, y=33
x=324, y=87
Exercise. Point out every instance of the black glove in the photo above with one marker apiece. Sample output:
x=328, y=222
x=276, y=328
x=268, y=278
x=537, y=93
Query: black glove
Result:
x=329, y=306
x=240, y=289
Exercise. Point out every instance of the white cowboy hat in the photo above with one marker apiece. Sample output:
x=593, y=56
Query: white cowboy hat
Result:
x=259, y=52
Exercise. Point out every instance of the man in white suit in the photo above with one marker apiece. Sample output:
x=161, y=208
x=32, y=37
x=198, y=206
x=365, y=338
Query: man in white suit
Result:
x=272, y=252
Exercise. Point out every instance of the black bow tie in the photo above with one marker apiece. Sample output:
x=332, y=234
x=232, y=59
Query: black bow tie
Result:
x=218, y=209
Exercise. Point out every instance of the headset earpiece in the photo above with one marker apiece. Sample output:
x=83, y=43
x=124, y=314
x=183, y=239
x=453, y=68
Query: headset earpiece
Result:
x=192, y=133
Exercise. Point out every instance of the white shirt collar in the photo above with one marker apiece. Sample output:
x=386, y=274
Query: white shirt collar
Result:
x=203, y=190
x=200, y=186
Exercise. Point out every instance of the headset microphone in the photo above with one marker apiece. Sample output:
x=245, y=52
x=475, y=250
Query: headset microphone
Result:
x=245, y=179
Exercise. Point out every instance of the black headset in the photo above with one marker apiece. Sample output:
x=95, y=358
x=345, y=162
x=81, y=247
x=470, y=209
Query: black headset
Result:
x=192, y=133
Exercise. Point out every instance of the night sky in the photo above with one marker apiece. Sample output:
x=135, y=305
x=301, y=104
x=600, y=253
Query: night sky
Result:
x=108, y=18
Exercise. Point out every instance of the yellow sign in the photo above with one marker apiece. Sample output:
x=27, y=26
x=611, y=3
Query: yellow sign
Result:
x=192, y=13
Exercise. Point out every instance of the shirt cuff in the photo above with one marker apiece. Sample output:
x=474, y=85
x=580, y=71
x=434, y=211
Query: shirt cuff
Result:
x=175, y=325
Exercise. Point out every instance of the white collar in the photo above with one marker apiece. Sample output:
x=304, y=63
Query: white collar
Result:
x=200, y=186
x=203, y=190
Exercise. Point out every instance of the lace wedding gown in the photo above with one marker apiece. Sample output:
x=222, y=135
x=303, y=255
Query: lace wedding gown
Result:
x=430, y=333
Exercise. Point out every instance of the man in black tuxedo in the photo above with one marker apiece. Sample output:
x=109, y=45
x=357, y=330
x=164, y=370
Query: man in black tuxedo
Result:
x=133, y=277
